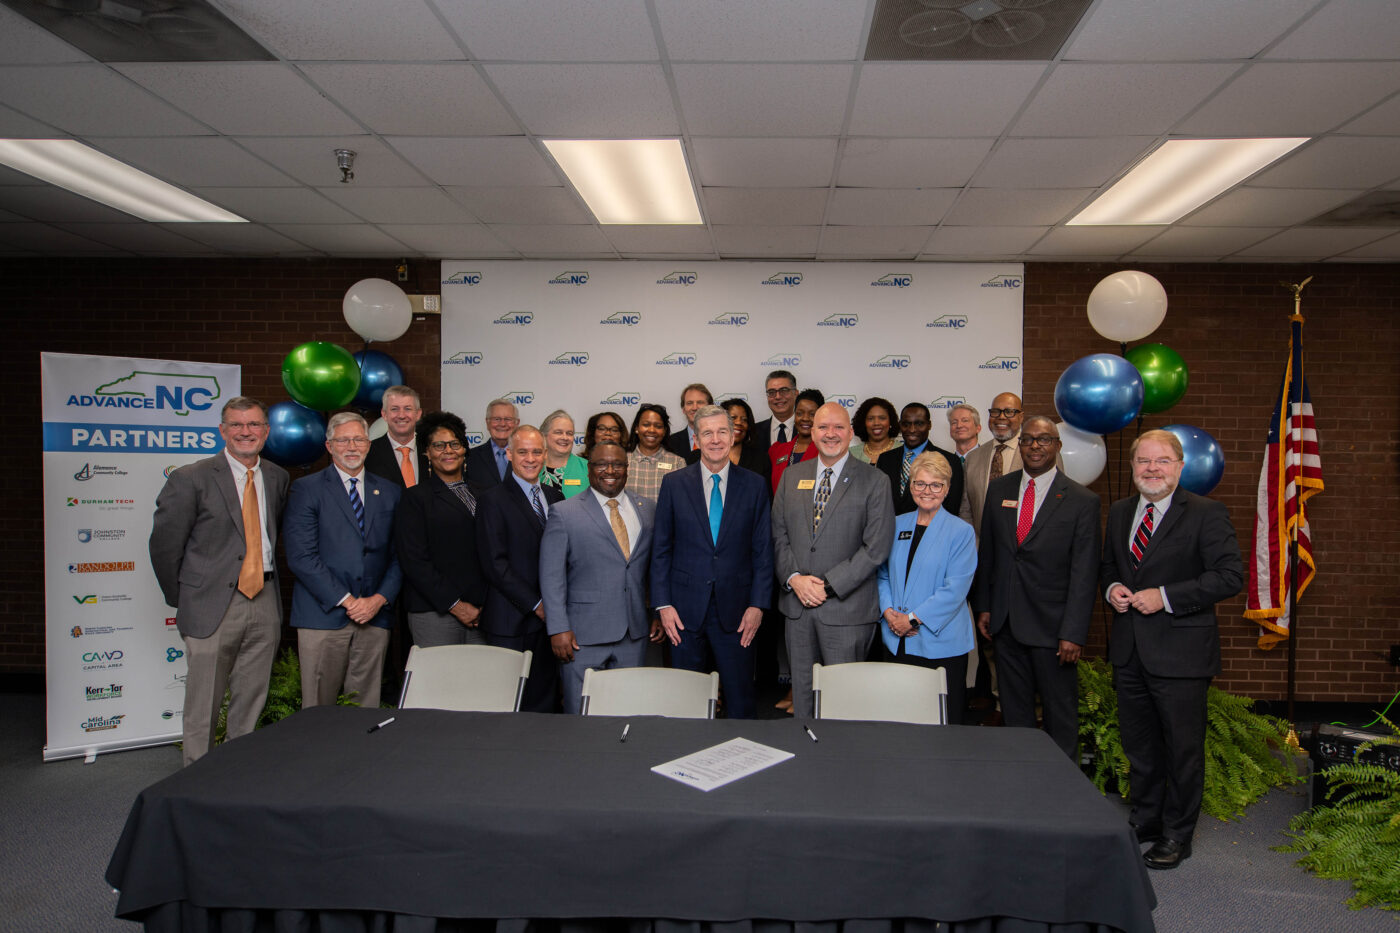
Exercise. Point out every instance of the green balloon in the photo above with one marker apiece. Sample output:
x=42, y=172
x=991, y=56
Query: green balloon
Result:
x=320, y=375
x=1164, y=375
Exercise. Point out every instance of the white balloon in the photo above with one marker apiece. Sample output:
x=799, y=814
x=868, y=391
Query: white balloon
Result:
x=378, y=429
x=377, y=310
x=1127, y=306
x=1083, y=454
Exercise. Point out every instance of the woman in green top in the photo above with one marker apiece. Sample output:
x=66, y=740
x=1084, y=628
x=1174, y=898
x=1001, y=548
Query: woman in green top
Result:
x=563, y=469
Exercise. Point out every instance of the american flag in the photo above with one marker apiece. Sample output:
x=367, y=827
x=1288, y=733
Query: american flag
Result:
x=1291, y=475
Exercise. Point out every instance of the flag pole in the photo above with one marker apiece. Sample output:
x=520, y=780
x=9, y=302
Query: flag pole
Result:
x=1292, y=738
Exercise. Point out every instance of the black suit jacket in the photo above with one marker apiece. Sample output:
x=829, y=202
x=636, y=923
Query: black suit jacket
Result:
x=1043, y=588
x=678, y=443
x=383, y=460
x=1193, y=554
x=435, y=534
x=508, y=537
x=480, y=470
x=758, y=437
x=891, y=464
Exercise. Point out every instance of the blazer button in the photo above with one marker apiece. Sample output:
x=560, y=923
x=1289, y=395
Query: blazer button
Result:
x=230, y=586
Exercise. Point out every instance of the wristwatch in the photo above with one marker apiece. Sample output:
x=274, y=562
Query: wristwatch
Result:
x=826, y=587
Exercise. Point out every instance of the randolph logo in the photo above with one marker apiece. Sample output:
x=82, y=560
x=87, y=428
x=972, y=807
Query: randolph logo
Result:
x=945, y=402
x=172, y=392
x=628, y=318
x=891, y=361
x=731, y=319
x=110, y=566
x=1001, y=362
x=623, y=399
x=101, y=723
x=895, y=280
x=840, y=320
x=570, y=278
x=679, y=358
x=519, y=398
x=678, y=278
x=109, y=692
x=783, y=278
x=783, y=360
x=570, y=358
x=519, y=318
x=1003, y=281
x=463, y=278
x=955, y=321
x=465, y=358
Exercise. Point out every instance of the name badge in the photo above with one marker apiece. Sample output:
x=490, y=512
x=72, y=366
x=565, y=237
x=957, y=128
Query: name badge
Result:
x=806, y=484
x=905, y=535
x=663, y=465
x=573, y=482
x=1008, y=503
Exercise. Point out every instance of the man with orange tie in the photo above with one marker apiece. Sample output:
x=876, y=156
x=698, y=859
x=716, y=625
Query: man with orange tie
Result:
x=212, y=544
x=684, y=443
x=396, y=456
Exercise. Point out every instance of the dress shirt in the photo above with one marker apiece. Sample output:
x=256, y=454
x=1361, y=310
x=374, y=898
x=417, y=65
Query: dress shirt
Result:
x=1042, y=489
x=706, y=483
x=240, y=473
x=527, y=487
x=1159, y=511
x=627, y=510
x=359, y=479
x=644, y=474
x=412, y=445
x=836, y=469
x=773, y=429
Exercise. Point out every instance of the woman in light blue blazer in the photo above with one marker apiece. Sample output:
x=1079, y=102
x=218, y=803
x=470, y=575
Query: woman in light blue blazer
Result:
x=924, y=583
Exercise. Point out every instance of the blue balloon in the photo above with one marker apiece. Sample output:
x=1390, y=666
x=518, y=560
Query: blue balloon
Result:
x=1203, y=460
x=378, y=371
x=1100, y=393
x=296, y=435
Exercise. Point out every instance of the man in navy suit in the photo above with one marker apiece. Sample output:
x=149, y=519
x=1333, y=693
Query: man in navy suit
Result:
x=489, y=464
x=510, y=522
x=1168, y=557
x=1037, y=569
x=593, y=566
x=685, y=443
x=914, y=425
x=712, y=562
x=338, y=531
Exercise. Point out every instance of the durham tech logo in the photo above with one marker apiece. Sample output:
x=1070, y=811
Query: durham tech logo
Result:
x=465, y=358
x=519, y=318
x=172, y=392
x=840, y=320
x=1003, y=281
x=679, y=358
x=1001, y=362
x=570, y=278
x=463, y=278
x=891, y=361
x=953, y=321
x=623, y=399
x=627, y=318
x=790, y=279
x=731, y=319
x=570, y=358
x=678, y=278
x=894, y=280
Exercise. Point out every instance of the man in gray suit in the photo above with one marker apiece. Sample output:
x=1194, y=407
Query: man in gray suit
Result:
x=212, y=544
x=593, y=564
x=833, y=525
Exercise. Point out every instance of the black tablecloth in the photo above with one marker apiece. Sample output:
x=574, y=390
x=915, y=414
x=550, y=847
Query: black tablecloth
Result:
x=480, y=815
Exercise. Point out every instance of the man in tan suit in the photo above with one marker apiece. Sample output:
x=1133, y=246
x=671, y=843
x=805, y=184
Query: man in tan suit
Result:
x=997, y=457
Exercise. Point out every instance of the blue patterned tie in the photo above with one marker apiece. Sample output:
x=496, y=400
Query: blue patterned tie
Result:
x=535, y=501
x=357, y=506
x=716, y=508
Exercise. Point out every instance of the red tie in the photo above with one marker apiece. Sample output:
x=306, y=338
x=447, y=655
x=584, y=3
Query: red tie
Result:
x=1142, y=536
x=1026, y=515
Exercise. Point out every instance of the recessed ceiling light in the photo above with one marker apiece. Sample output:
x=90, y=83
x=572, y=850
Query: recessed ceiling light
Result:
x=69, y=164
x=1179, y=177
x=629, y=181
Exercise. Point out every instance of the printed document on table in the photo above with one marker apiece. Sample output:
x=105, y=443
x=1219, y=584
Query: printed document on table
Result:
x=720, y=764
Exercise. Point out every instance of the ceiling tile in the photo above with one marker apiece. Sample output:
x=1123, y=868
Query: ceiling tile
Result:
x=603, y=100
x=399, y=205
x=1386, y=249
x=1337, y=162
x=765, y=206
x=145, y=239
x=351, y=30
x=249, y=239
x=343, y=239
x=444, y=99
x=1118, y=100
x=910, y=163
x=1293, y=98
x=998, y=207
x=195, y=160
x=312, y=160
x=529, y=205
x=486, y=160
x=1186, y=243
x=544, y=240
x=233, y=97
x=51, y=204
x=23, y=42
x=654, y=238
x=1344, y=29
x=278, y=205
x=765, y=163
x=879, y=207
x=885, y=242
x=767, y=241
x=92, y=99
x=450, y=240
x=1060, y=163
x=1381, y=120
x=558, y=31
x=1266, y=207
x=28, y=238
x=982, y=241
x=1092, y=241
x=15, y=125
x=773, y=31
x=940, y=98
x=1313, y=243
x=1183, y=29
x=763, y=100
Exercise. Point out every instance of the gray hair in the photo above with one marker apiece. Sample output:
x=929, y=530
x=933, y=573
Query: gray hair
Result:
x=344, y=417
x=502, y=402
x=714, y=411
x=976, y=416
x=552, y=417
x=402, y=392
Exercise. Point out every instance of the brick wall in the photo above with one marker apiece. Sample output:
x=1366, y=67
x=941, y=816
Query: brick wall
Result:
x=1228, y=322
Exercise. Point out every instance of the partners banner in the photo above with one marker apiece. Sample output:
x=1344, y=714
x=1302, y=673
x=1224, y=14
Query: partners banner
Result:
x=114, y=429
x=610, y=335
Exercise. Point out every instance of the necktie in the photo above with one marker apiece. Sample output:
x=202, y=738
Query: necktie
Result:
x=904, y=471
x=694, y=442
x=782, y=433
x=356, y=505
x=1142, y=536
x=535, y=501
x=819, y=505
x=406, y=466
x=716, y=507
x=1027, y=513
x=619, y=529
x=996, y=462
x=250, y=575
x=501, y=461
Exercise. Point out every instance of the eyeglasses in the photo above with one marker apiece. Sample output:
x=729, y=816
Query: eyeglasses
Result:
x=919, y=485
x=778, y=393
x=1160, y=463
x=1003, y=412
x=608, y=429
x=440, y=446
x=350, y=441
x=1039, y=440
x=254, y=425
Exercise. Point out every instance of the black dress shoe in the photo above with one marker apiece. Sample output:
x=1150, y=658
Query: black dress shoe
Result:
x=1148, y=832
x=1167, y=853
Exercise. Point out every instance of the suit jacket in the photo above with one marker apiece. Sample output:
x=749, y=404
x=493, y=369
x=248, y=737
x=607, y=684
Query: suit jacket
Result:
x=1043, y=588
x=196, y=541
x=678, y=443
x=756, y=461
x=849, y=547
x=587, y=586
x=759, y=433
x=935, y=588
x=689, y=568
x=1192, y=554
x=508, y=537
x=383, y=460
x=435, y=537
x=480, y=469
x=328, y=555
x=892, y=464
x=975, y=470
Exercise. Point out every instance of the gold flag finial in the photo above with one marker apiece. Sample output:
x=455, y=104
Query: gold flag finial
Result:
x=1297, y=290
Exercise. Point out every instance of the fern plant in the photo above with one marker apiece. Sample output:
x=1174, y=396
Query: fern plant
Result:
x=1357, y=838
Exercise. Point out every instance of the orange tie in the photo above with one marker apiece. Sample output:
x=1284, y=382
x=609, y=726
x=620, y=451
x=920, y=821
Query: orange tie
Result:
x=406, y=466
x=250, y=575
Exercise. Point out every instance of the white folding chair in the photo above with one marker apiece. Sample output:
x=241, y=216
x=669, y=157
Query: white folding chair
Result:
x=874, y=690
x=474, y=678
x=650, y=691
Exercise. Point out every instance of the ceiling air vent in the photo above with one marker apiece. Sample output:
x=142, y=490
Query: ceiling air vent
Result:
x=144, y=30
x=982, y=30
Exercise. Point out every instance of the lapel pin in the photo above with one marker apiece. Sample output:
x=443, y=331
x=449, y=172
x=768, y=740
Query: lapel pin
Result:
x=376, y=492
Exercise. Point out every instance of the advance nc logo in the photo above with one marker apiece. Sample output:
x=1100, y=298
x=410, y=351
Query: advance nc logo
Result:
x=180, y=394
x=515, y=318
x=475, y=438
x=894, y=280
x=1003, y=281
x=790, y=279
x=1001, y=362
x=951, y=321
x=623, y=399
x=891, y=361
x=730, y=319
x=783, y=360
x=570, y=358
x=570, y=278
x=679, y=358
x=945, y=402
x=463, y=278
x=519, y=398
x=625, y=318
x=465, y=358
x=840, y=320
x=847, y=402
x=678, y=278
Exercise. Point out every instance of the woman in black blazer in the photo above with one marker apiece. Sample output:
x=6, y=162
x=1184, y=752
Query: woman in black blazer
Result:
x=435, y=534
x=743, y=453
